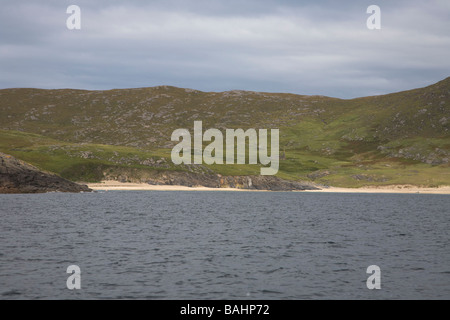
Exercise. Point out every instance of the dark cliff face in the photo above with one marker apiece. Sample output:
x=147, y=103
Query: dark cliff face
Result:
x=19, y=177
x=239, y=182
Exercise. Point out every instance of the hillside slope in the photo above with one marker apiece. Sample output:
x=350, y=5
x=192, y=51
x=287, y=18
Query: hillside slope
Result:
x=396, y=138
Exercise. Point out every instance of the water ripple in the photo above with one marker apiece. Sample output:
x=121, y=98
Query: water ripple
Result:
x=219, y=245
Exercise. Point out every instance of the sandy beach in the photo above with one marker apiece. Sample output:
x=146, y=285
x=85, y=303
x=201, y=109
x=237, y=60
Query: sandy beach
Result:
x=387, y=189
x=115, y=185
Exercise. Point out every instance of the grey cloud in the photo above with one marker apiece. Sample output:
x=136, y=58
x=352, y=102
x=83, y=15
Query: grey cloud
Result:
x=213, y=45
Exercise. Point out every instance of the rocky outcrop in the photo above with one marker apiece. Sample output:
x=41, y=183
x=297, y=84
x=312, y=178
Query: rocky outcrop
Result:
x=17, y=176
x=239, y=182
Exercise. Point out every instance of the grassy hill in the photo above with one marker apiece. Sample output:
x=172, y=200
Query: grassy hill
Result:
x=399, y=138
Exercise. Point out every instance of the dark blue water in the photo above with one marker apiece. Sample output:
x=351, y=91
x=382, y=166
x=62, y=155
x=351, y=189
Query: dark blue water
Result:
x=224, y=245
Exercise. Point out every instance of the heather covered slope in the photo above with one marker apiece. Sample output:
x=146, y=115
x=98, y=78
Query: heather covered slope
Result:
x=399, y=138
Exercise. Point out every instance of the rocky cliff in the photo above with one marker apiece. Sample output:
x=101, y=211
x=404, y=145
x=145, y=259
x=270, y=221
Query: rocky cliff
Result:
x=210, y=180
x=17, y=176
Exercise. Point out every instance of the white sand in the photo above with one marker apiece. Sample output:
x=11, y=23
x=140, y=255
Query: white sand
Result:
x=387, y=189
x=115, y=185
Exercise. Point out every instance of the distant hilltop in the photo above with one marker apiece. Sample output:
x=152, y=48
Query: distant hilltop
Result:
x=125, y=134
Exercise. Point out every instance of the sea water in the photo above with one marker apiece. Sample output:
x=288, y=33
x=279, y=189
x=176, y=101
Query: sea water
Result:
x=224, y=245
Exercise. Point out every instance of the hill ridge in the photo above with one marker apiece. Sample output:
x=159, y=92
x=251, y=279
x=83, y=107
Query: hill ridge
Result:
x=325, y=139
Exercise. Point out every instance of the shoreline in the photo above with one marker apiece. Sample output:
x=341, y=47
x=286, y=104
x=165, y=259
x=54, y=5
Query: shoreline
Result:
x=406, y=189
x=393, y=189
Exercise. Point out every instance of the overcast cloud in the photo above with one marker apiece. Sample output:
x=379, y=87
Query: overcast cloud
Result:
x=317, y=47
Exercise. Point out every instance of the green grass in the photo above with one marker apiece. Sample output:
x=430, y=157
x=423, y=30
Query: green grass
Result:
x=400, y=138
x=65, y=159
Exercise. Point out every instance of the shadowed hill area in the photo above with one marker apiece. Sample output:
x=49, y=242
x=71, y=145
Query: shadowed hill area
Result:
x=19, y=177
x=125, y=134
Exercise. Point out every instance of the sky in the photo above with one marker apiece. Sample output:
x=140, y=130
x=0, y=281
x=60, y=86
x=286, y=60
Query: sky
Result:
x=302, y=47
